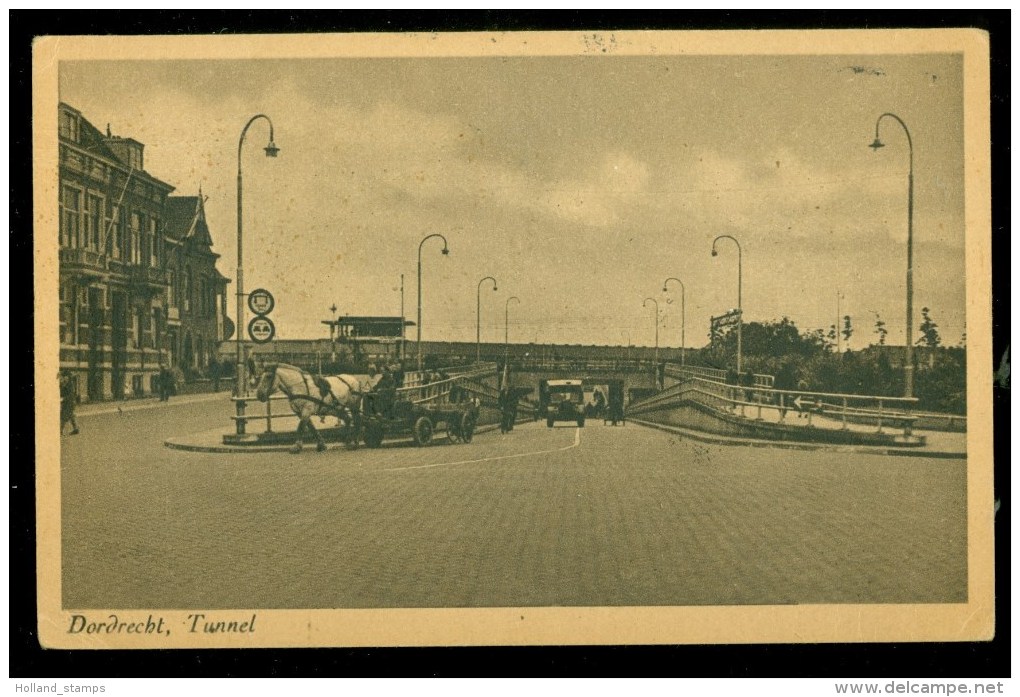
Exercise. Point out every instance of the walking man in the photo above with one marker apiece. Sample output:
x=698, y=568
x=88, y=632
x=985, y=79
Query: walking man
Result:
x=68, y=400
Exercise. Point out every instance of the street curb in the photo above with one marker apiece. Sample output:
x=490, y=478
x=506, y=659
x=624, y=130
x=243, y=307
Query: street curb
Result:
x=130, y=405
x=180, y=443
x=786, y=445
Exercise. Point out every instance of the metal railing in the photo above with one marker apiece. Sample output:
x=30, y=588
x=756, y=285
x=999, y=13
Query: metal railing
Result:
x=717, y=374
x=818, y=407
x=582, y=365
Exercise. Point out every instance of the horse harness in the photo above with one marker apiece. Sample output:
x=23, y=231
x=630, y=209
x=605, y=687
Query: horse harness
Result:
x=308, y=388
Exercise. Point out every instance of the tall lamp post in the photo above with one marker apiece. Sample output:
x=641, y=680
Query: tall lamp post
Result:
x=403, y=337
x=683, y=317
x=506, y=324
x=740, y=283
x=271, y=151
x=645, y=304
x=446, y=250
x=332, y=336
x=908, y=366
x=478, y=318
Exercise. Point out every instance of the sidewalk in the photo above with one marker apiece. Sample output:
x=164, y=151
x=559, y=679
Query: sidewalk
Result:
x=121, y=406
x=939, y=445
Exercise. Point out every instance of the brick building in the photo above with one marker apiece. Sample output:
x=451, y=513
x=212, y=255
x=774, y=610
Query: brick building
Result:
x=121, y=275
x=196, y=290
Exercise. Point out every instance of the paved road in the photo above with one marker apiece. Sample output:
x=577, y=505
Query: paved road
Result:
x=561, y=517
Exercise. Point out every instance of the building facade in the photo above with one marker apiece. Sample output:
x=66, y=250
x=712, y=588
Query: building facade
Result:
x=117, y=265
x=196, y=298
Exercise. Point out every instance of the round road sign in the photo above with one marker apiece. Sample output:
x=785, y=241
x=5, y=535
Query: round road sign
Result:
x=261, y=301
x=261, y=330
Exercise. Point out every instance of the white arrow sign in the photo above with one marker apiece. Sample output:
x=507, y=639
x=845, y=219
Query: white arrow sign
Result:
x=800, y=403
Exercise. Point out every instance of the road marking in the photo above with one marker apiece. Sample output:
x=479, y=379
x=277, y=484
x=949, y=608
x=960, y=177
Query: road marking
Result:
x=577, y=442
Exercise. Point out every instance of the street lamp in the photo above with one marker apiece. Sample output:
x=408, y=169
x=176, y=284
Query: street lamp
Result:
x=740, y=282
x=403, y=338
x=271, y=151
x=506, y=324
x=683, y=317
x=908, y=366
x=478, y=317
x=446, y=250
x=332, y=335
x=645, y=304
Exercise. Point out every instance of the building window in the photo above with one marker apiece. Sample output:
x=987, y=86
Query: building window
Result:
x=172, y=289
x=70, y=217
x=188, y=286
x=134, y=244
x=69, y=126
x=154, y=237
x=157, y=331
x=145, y=253
x=136, y=327
x=94, y=222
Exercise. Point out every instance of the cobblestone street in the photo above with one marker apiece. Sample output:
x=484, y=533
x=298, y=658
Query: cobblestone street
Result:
x=561, y=517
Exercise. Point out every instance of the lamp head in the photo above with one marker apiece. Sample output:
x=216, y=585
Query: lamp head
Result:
x=271, y=149
x=494, y=288
x=877, y=144
x=714, y=253
x=663, y=288
x=446, y=251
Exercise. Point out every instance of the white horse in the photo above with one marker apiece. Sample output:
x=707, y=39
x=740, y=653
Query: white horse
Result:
x=334, y=395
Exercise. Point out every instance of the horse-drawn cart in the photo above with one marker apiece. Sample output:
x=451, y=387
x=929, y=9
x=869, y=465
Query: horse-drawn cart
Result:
x=404, y=417
x=368, y=408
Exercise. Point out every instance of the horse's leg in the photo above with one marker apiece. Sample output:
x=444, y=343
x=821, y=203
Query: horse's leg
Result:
x=302, y=422
x=355, y=426
x=320, y=444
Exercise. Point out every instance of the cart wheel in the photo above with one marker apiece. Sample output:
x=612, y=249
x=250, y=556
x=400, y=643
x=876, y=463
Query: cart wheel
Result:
x=467, y=427
x=373, y=435
x=453, y=432
x=422, y=431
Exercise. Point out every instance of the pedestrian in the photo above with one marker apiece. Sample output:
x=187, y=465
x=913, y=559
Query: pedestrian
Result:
x=68, y=400
x=507, y=410
x=165, y=383
x=747, y=382
x=214, y=373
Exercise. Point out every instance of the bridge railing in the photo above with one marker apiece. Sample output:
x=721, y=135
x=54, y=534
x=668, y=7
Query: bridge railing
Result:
x=681, y=372
x=582, y=365
x=761, y=403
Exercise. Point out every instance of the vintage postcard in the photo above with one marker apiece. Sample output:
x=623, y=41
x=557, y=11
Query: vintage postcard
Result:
x=528, y=338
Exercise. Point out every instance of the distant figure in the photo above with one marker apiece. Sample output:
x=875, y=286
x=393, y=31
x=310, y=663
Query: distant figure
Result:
x=615, y=411
x=747, y=382
x=386, y=393
x=786, y=381
x=732, y=378
x=164, y=381
x=599, y=407
x=68, y=400
x=507, y=410
x=214, y=373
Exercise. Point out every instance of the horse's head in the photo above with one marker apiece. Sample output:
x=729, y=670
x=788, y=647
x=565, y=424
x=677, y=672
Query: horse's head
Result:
x=266, y=383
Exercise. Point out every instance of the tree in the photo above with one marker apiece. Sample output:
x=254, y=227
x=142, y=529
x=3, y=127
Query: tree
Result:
x=880, y=330
x=929, y=331
x=847, y=331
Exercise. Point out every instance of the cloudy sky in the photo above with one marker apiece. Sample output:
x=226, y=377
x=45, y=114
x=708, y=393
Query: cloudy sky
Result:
x=580, y=183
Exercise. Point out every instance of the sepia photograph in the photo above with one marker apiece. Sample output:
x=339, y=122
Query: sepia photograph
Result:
x=517, y=338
